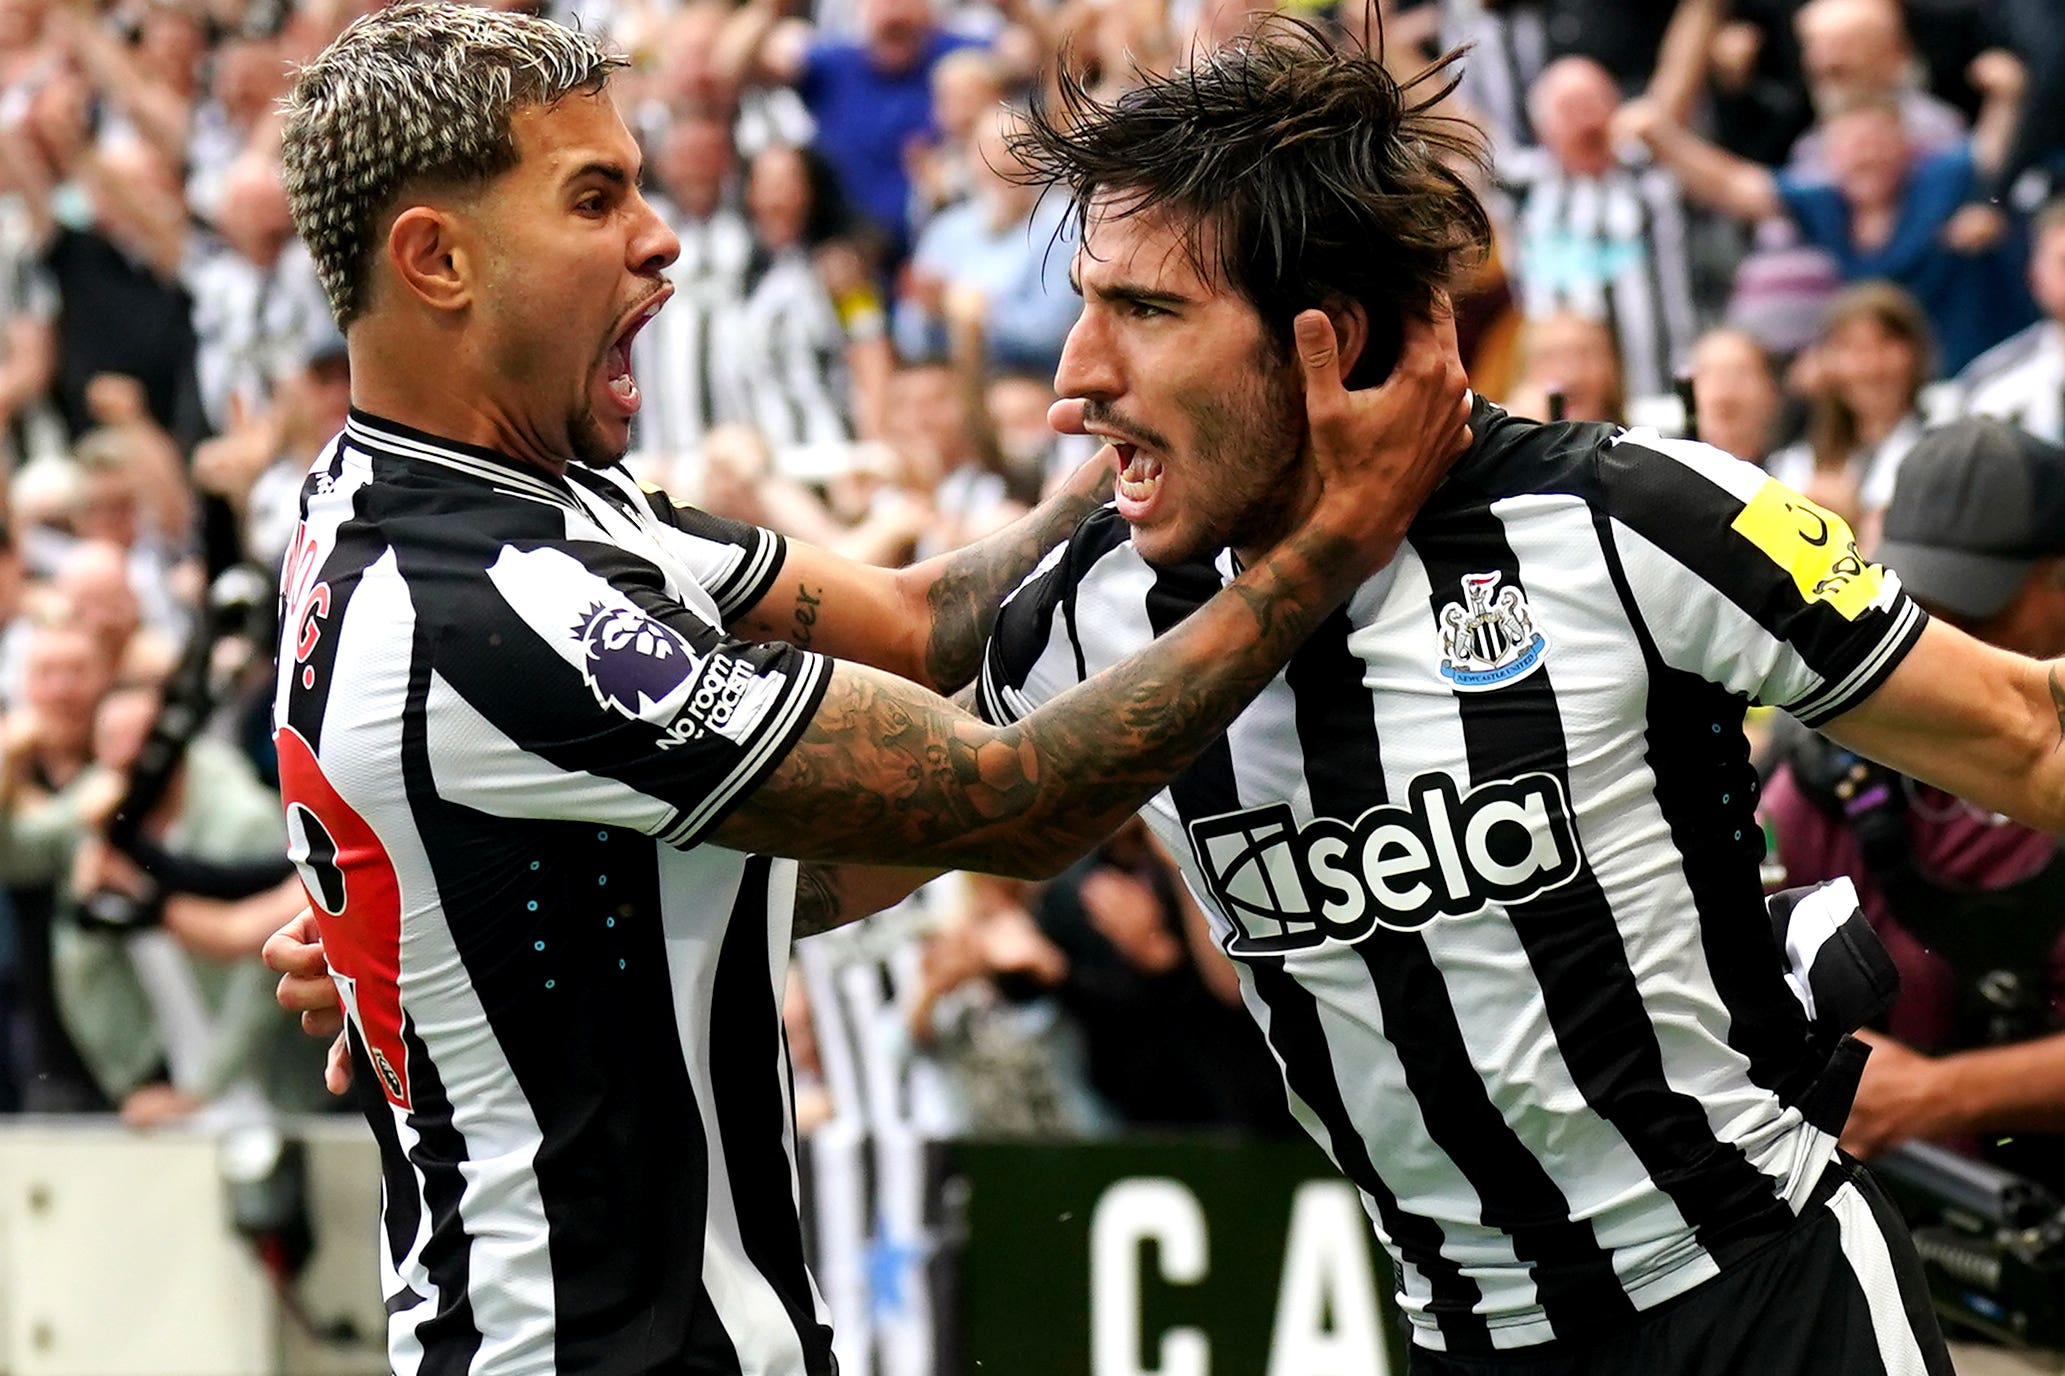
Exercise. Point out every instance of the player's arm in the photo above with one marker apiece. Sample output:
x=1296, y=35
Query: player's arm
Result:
x=928, y=622
x=1905, y=1094
x=886, y=771
x=1979, y=722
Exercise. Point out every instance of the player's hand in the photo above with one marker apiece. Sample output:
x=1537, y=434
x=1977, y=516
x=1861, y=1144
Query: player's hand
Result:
x=1379, y=451
x=1901, y=1097
x=295, y=953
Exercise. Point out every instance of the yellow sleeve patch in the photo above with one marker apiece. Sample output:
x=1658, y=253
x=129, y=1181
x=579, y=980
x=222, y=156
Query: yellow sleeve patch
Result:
x=1815, y=546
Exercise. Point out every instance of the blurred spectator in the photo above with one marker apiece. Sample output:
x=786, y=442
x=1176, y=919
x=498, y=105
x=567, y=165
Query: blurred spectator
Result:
x=871, y=98
x=1513, y=41
x=1015, y=1063
x=1857, y=51
x=967, y=87
x=255, y=294
x=1970, y=905
x=108, y=220
x=1864, y=406
x=1157, y=1001
x=258, y=468
x=2022, y=379
x=47, y=741
x=166, y=1037
x=1736, y=398
x=117, y=530
x=1599, y=233
x=1570, y=357
x=1885, y=216
x=677, y=356
x=994, y=265
x=800, y=369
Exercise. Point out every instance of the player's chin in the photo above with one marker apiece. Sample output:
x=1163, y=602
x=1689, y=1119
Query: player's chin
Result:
x=600, y=441
x=1165, y=545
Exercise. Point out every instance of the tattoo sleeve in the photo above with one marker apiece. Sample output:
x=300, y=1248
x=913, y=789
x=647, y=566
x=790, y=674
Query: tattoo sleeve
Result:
x=969, y=583
x=892, y=774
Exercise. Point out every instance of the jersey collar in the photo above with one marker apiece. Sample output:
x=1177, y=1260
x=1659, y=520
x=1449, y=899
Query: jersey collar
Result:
x=473, y=461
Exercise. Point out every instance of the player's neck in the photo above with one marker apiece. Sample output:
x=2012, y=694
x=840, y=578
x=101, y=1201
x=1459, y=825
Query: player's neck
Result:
x=445, y=400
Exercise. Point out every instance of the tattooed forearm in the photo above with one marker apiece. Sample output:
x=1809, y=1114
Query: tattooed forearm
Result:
x=891, y=773
x=808, y=600
x=969, y=583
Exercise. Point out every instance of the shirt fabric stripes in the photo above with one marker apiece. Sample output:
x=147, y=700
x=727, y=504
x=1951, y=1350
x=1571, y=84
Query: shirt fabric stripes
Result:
x=507, y=715
x=1485, y=856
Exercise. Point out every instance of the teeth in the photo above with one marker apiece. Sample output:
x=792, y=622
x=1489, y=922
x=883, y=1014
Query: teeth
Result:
x=1140, y=475
x=624, y=386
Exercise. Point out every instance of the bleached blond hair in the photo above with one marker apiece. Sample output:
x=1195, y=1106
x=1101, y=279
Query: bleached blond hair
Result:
x=416, y=97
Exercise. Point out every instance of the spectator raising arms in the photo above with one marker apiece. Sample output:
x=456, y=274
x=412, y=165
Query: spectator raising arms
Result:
x=1885, y=214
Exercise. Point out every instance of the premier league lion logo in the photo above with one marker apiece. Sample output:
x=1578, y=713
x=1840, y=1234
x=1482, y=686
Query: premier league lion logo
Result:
x=633, y=663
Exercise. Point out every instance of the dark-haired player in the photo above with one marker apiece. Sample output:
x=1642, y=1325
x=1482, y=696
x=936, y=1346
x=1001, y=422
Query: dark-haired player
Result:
x=1486, y=852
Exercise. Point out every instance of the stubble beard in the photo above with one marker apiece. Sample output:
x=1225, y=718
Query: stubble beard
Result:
x=1252, y=443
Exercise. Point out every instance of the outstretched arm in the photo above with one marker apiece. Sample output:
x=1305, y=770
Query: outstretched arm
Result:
x=1982, y=723
x=890, y=773
x=926, y=623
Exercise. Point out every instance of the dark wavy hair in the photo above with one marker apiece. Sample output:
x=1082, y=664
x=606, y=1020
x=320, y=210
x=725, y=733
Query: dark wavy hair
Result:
x=1318, y=175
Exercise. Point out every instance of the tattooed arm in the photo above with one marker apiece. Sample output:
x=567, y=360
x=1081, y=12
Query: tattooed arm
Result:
x=829, y=896
x=1984, y=723
x=926, y=623
x=886, y=771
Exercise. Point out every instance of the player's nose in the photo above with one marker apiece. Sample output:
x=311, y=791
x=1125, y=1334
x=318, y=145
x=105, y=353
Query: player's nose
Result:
x=654, y=246
x=1089, y=365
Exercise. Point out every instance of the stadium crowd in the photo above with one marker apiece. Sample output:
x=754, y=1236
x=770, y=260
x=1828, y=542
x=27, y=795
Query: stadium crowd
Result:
x=1831, y=216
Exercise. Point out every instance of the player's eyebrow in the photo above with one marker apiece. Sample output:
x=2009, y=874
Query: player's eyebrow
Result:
x=1129, y=291
x=606, y=170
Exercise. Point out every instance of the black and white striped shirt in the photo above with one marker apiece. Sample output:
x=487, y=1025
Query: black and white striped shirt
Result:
x=678, y=357
x=1486, y=857
x=784, y=351
x=1609, y=248
x=507, y=714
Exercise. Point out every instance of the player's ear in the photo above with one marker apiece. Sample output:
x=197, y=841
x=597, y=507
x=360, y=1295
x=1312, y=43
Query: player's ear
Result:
x=425, y=248
x=1351, y=331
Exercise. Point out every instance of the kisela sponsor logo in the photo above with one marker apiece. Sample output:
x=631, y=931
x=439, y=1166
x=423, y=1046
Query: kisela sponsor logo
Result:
x=1440, y=853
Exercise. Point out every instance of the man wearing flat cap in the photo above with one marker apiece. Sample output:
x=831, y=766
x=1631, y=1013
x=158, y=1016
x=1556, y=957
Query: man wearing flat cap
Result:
x=1969, y=904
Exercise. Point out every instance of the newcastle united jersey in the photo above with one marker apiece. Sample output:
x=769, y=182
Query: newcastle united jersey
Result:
x=1485, y=856
x=506, y=716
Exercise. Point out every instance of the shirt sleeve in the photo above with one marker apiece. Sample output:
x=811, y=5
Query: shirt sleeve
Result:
x=566, y=685
x=735, y=562
x=1034, y=652
x=1738, y=579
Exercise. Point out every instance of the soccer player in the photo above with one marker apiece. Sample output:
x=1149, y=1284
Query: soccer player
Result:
x=1485, y=854
x=533, y=781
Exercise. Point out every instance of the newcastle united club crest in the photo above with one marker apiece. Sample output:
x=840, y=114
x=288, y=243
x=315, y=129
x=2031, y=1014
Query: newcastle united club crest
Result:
x=1489, y=638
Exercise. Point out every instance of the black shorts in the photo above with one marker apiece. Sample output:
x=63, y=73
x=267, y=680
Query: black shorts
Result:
x=1841, y=1294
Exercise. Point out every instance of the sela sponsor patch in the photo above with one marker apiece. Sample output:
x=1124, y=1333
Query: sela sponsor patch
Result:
x=635, y=664
x=1489, y=639
x=1440, y=853
x=1816, y=547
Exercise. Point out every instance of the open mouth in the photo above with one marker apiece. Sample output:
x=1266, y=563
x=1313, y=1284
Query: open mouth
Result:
x=617, y=361
x=1139, y=479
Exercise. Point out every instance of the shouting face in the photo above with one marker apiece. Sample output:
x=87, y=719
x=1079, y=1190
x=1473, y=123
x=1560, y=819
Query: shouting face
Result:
x=572, y=261
x=1201, y=408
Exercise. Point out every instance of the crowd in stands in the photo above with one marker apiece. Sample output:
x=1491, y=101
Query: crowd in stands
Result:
x=1833, y=216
